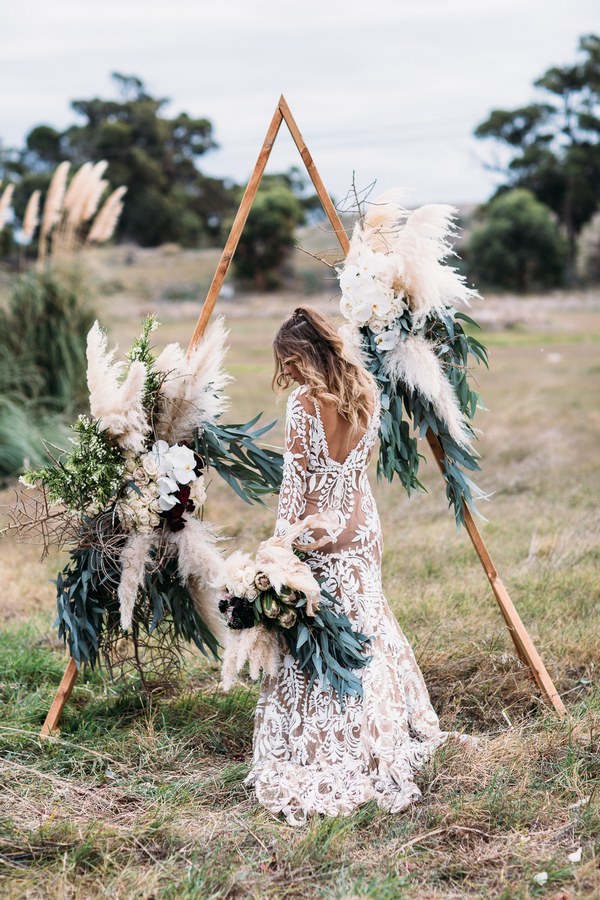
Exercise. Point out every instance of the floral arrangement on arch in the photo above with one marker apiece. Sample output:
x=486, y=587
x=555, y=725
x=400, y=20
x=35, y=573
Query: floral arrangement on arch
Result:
x=128, y=498
x=399, y=296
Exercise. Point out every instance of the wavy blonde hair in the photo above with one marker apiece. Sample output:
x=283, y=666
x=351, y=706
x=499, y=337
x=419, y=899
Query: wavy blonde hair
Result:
x=308, y=341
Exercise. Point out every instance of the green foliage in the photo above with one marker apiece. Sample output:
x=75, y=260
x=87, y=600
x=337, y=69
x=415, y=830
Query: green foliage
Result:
x=251, y=471
x=141, y=351
x=89, y=610
x=42, y=363
x=23, y=426
x=398, y=450
x=326, y=646
x=518, y=246
x=268, y=235
x=554, y=145
x=89, y=476
x=44, y=328
x=154, y=156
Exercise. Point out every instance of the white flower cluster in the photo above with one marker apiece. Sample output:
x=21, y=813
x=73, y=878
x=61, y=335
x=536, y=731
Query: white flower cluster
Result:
x=372, y=294
x=154, y=480
x=242, y=578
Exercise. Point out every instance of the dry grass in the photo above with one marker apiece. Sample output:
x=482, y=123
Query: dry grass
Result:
x=141, y=798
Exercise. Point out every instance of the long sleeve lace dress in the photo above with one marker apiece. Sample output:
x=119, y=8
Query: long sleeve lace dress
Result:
x=310, y=755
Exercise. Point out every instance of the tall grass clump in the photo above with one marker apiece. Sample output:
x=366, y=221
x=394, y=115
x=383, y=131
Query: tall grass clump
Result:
x=43, y=331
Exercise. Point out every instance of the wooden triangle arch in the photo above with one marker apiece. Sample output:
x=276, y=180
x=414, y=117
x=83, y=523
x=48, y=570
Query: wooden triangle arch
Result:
x=523, y=643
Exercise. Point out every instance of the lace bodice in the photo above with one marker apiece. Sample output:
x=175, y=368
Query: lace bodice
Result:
x=310, y=755
x=315, y=482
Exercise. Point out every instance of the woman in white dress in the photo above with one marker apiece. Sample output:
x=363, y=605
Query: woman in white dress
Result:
x=310, y=754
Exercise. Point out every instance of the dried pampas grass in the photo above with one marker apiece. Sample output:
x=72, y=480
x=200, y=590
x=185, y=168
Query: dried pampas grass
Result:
x=191, y=394
x=134, y=558
x=420, y=241
x=117, y=404
x=104, y=224
x=55, y=197
x=413, y=363
x=77, y=190
x=257, y=646
x=199, y=563
x=32, y=216
x=5, y=201
x=95, y=187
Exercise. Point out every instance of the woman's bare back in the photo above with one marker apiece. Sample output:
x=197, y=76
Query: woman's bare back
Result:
x=341, y=437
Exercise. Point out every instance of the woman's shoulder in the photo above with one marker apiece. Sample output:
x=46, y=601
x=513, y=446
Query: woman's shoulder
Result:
x=300, y=397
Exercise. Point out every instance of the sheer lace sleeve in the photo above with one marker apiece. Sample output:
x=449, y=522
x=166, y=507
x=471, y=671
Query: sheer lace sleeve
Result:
x=292, y=496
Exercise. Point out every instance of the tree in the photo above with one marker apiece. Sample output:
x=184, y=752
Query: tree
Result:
x=554, y=144
x=268, y=235
x=154, y=156
x=518, y=246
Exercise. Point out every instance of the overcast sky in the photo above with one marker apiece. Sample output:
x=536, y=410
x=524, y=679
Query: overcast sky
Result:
x=390, y=89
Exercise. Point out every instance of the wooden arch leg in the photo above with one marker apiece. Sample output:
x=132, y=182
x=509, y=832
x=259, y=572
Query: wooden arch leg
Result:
x=62, y=695
x=523, y=643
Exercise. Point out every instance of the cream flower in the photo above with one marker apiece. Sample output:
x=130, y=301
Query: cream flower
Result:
x=387, y=340
x=198, y=492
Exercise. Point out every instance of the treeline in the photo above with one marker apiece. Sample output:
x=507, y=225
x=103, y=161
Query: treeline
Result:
x=527, y=236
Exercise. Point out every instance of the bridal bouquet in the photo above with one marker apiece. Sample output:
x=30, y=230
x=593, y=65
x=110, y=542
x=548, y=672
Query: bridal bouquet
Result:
x=273, y=604
x=128, y=498
x=398, y=295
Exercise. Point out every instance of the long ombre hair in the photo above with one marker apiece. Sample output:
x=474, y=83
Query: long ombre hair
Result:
x=308, y=341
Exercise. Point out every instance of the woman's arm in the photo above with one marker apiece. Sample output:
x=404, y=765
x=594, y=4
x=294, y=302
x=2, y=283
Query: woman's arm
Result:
x=292, y=496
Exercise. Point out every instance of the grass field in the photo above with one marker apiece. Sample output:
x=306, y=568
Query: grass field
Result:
x=142, y=797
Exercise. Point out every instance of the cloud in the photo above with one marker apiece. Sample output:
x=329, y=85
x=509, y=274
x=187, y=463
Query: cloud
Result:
x=389, y=88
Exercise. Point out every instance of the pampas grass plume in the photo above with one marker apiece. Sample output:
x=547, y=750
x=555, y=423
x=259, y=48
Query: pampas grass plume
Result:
x=96, y=186
x=32, y=215
x=192, y=391
x=105, y=222
x=76, y=185
x=5, y=201
x=135, y=555
x=55, y=197
x=117, y=403
x=414, y=363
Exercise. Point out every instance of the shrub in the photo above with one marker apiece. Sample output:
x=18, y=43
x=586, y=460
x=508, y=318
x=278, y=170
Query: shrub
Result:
x=518, y=247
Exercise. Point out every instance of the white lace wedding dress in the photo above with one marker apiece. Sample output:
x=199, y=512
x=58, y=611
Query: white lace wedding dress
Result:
x=309, y=755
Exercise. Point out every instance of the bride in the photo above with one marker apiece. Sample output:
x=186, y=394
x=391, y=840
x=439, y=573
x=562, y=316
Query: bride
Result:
x=310, y=755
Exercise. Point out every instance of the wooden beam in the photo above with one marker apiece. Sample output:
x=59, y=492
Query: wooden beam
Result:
x=236, y=229
x=332, y=215
x=62, y=695
x=523, y=643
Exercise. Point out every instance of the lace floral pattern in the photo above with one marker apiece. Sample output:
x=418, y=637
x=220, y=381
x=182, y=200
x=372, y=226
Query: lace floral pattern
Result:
x=310, y=756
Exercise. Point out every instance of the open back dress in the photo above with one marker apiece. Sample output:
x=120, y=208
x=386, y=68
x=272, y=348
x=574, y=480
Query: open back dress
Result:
x=310, y=755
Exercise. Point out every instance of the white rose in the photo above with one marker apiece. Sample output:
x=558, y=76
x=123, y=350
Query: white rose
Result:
x=150, y=464
x=361, y=311
x=377, y=325
x=238, y=588
x=248, y=576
